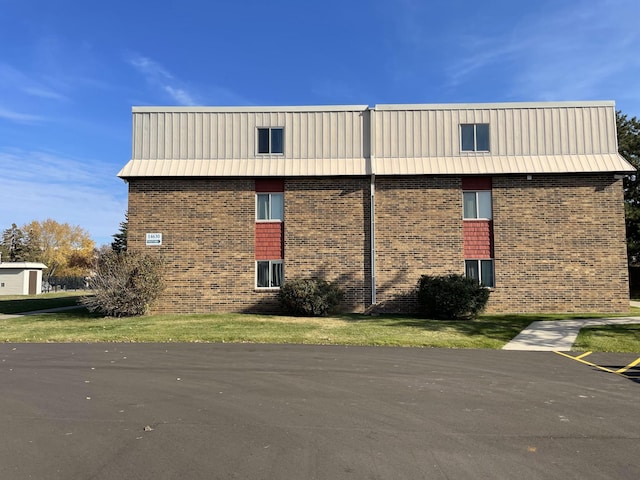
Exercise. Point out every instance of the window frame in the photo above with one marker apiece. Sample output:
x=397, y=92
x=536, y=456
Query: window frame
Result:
x=480, y=271
x=477, y=205
x=271, y=263
x=270, y=207
x=475, y=137
x=270, y=131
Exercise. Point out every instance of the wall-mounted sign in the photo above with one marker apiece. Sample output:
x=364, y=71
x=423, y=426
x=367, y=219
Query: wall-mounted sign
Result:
x=154, y=239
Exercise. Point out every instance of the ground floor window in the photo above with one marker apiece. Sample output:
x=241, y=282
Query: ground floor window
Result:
x=269, y=273
x=480, y=270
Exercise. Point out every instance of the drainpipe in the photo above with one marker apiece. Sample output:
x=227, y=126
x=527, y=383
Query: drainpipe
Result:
x=372, y=213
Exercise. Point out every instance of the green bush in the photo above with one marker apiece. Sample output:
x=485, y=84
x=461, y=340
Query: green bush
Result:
x=125, y=284
x=309, y=297
x=451, y=297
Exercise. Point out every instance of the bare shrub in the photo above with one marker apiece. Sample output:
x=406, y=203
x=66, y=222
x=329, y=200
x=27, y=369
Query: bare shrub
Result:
x=125, y=284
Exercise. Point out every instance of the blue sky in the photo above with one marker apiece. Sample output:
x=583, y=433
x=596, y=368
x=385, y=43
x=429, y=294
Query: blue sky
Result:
x=71, y=70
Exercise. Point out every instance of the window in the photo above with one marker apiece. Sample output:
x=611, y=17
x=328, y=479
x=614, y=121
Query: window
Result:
x=480, y=270
x=270, y=140
x=270, y=206
x=474, y=137
x=269, y=273
x=477, y=204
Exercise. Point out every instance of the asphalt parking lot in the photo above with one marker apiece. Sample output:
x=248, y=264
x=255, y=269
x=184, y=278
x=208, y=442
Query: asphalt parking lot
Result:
x=220, y=411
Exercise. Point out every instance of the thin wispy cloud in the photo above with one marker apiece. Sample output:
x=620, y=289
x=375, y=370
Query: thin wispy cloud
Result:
x=575, y=52
x=46, y=185
x=159, y=77
x=43, y=92
x=19, y=117
x=32, y=84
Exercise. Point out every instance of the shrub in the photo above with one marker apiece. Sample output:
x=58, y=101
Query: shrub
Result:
x=309, y=297
x=451, y=297
x=125, y=284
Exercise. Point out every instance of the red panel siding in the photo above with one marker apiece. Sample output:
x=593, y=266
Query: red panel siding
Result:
x=270, y=185
x=478, y=239
x=269, y=241
x=476, y=183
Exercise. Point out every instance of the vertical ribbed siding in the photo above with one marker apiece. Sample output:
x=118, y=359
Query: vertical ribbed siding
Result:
x=232, y=135
x=554, y=130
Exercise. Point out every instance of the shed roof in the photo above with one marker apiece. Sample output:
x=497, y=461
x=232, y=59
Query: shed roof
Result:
x=22, y=265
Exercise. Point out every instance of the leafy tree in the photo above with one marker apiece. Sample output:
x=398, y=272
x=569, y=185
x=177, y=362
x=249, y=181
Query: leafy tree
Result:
x=629, y=148
x=66, y=250
x=119, y=243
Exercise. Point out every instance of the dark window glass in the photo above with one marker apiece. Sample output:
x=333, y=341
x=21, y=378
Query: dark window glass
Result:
x=277, y=140
x=482, y=137
x=263, y=140
x=467, y=134
x=487, y=272
x=276, y=274
x=471, y=269
x=263, y=274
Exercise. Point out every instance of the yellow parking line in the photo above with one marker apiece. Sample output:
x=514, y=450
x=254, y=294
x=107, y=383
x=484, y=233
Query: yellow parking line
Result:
x=578, y=359
x=583, y=355
x=632, y=364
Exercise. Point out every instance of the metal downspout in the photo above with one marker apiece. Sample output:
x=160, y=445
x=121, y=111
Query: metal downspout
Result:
x=373, y=239
x=372, y=214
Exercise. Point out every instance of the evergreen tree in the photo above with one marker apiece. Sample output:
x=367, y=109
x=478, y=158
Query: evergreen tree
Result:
x=119, y=244
x=14, y=246
x=629, y=148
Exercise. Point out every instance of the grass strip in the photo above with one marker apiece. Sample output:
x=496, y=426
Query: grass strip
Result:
x=609, y=338
x=488, y=331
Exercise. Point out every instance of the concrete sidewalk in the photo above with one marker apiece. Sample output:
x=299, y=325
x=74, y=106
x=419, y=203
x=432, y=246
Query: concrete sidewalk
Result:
x=559, y=335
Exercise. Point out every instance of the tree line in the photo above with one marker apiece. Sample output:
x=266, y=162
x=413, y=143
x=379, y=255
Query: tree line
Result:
x=66, y=250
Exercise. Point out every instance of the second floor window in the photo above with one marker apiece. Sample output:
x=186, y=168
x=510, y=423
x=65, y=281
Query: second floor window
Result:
x=477, y=205
x=270, y=206
x=270, y=140
x=474, y=137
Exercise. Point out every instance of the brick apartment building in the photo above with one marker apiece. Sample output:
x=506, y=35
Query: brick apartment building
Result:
x=524, y=197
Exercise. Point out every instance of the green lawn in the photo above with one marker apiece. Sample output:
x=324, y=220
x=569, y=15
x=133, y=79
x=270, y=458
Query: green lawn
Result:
x=609, y=338
x=489, y=331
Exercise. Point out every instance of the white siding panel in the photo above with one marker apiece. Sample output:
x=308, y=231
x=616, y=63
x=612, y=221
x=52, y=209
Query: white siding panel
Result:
x=415, y=139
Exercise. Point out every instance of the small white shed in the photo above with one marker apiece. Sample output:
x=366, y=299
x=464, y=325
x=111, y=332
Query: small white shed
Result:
x=21, y=278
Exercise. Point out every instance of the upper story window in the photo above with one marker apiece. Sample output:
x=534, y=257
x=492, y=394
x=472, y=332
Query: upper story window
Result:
x=270, y=206
x=477, y=204
x=474, y=137
x=271, y=140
